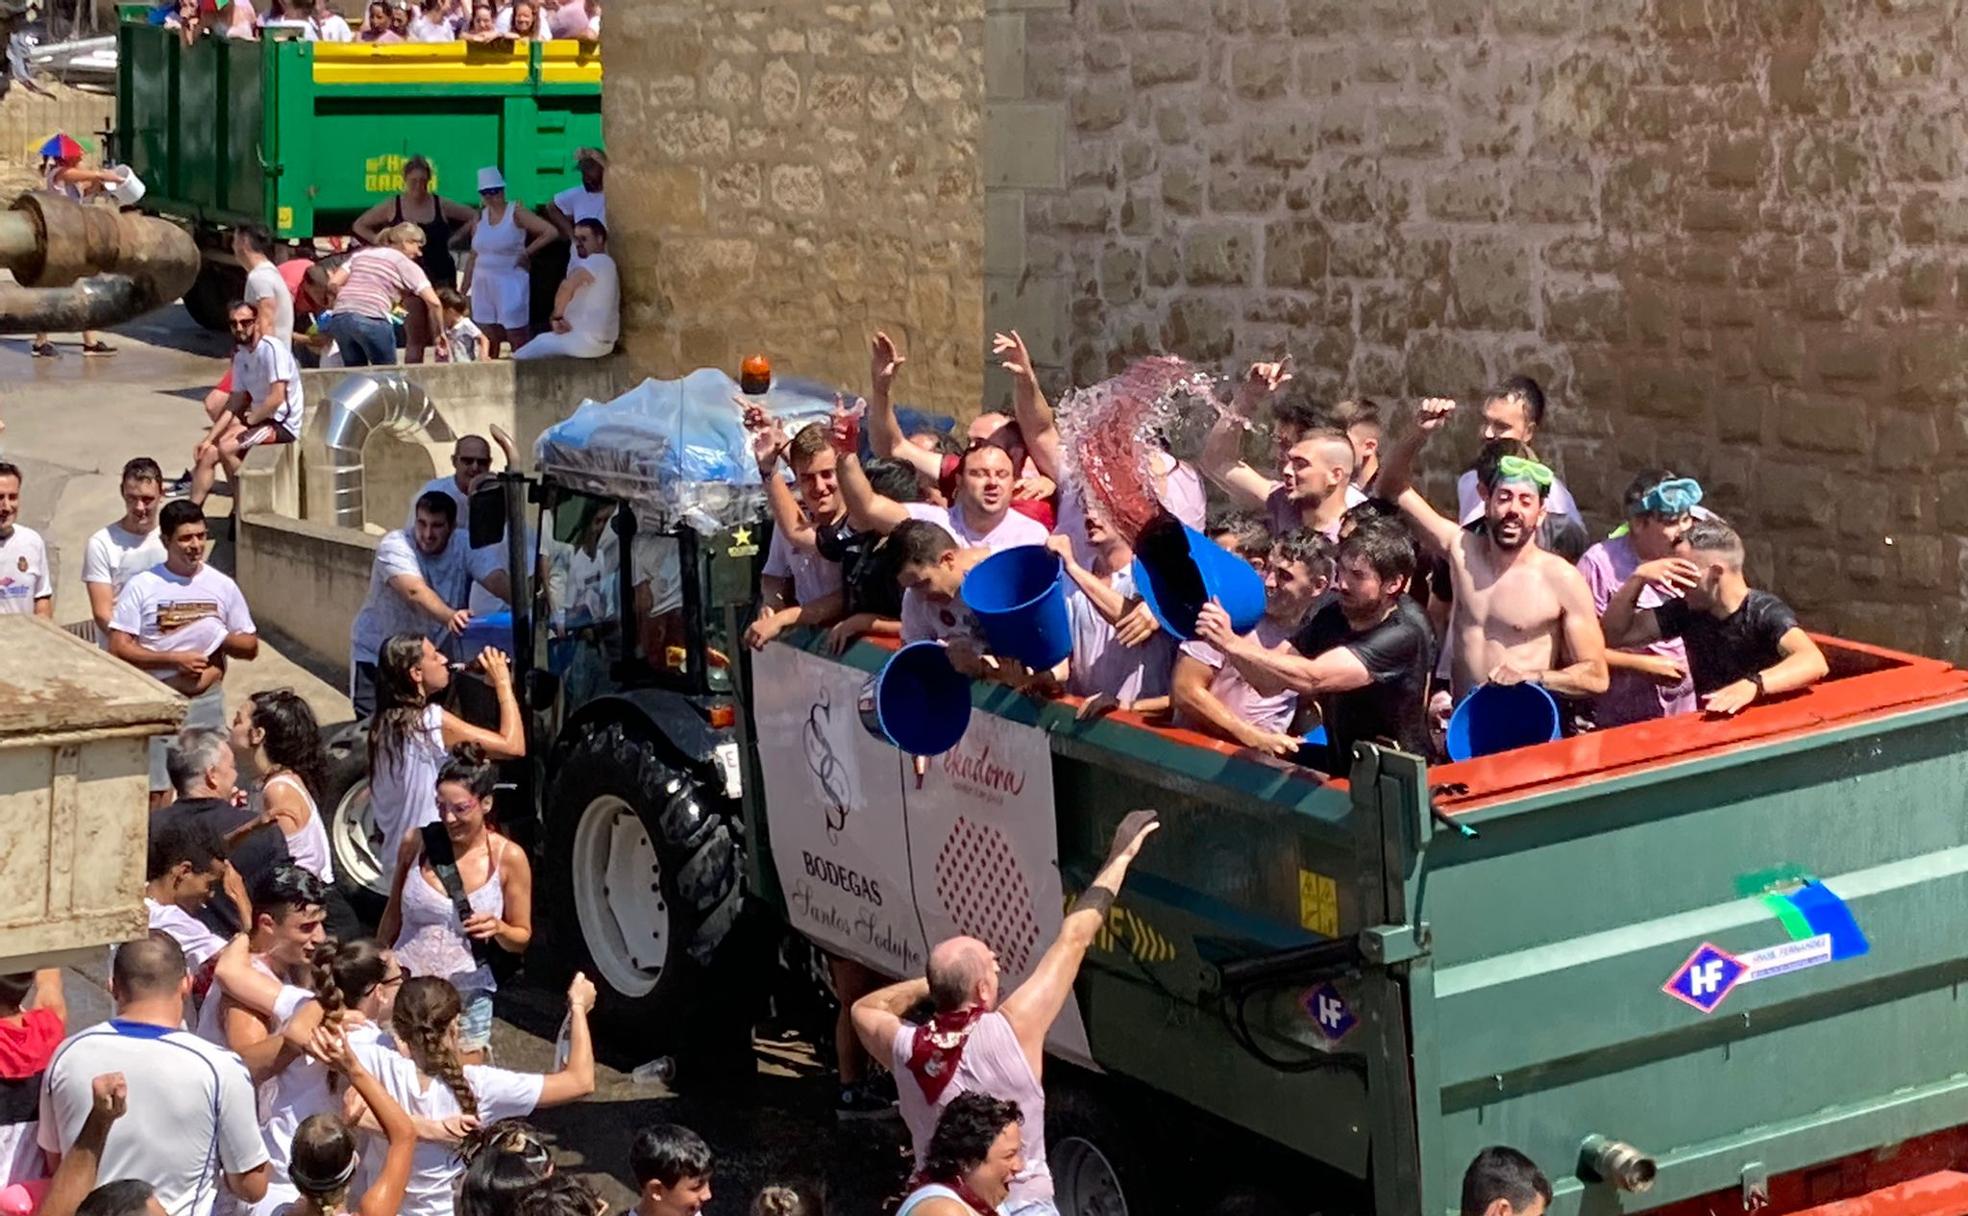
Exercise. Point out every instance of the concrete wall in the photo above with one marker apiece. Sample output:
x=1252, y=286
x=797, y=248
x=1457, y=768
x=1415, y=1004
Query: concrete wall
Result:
x=1727, y=234
x=808, y=172
x=305, y=582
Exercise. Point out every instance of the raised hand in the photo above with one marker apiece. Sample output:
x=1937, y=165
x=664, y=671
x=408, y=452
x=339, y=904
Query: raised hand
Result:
x=884, y=361
x=1435, y=414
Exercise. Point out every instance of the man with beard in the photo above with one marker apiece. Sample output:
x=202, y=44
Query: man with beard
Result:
x=1521, y=614
x=266, y=406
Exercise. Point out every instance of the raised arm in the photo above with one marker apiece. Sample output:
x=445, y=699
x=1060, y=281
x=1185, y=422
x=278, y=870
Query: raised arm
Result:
x=577, y=1079
x=1396, y=479
x=877, y=1017
x=77, y=1174
x=1029, y=406
x=509, y=741
x=1035, y=1004
x=1625, y=623
x=866, y=509
x=884, y=428
x=1222, y=460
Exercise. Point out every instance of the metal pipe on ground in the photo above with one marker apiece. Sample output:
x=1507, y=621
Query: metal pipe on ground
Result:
x=84, y=266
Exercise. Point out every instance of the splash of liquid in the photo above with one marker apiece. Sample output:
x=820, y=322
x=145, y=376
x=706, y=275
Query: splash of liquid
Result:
x=1109, y=429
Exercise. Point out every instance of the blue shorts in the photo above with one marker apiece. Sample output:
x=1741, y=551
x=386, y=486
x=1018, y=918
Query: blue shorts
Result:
x=475, y=1023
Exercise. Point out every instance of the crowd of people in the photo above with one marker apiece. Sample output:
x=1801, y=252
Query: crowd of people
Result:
x=387, y=21
x=1381, y=611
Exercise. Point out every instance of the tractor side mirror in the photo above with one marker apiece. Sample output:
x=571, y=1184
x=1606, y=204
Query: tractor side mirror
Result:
x=488, y=515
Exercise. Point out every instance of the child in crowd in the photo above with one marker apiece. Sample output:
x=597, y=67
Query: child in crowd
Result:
x=468, y=342
x=33, y=1019
x=672, y=1166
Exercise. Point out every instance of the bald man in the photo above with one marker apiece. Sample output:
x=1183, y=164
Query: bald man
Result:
x=471, y=459
x=974, y=1044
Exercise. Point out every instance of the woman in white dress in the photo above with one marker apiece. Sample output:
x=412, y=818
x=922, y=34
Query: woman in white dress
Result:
x=504, y=239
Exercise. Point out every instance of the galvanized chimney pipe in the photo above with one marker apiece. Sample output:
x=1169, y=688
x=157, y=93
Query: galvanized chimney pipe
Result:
x=81, y=266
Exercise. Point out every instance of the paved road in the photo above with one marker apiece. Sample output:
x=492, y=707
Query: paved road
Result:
x=70, y=424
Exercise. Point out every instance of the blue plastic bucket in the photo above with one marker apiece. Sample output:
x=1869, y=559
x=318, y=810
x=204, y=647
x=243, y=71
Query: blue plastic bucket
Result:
x=1019, y=597
x=1499, y=717
x=1177, y=570
x=917, y=701
x=494, y=630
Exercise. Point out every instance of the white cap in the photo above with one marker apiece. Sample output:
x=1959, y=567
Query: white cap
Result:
x=489, y=178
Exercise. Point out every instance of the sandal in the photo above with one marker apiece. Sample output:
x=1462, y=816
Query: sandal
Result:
x=45, y=350
x=98, y=348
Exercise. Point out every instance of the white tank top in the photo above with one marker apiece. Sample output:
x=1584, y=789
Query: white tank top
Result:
x=309, y=846
x=499, y=245
x=992, y=1063
x=70, y=189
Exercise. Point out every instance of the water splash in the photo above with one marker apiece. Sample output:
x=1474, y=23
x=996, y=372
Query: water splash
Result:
x=1108, y=430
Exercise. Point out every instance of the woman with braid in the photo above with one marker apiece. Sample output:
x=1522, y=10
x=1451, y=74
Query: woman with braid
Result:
x=430, y=1079
x=323, y=1159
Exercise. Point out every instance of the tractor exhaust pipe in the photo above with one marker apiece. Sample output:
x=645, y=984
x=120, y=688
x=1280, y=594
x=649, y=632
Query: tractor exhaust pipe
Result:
x=1617, y=1164
x=79, y=266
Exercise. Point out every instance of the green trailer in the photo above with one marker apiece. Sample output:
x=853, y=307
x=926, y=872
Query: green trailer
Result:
x=304, y=137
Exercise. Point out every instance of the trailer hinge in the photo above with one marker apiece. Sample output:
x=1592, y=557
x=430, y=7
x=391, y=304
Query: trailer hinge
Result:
x=1389, y=944
x=1755, y=1186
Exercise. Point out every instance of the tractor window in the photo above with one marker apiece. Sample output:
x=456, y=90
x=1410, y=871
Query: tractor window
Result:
x=581, y=554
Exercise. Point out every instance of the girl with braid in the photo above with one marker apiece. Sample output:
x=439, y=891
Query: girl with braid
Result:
x=323, y=1159
x=430, y=1079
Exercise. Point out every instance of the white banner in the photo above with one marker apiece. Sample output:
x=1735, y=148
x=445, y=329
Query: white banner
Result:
x=877, y=869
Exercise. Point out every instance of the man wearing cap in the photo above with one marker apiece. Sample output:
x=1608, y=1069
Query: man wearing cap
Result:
x=1651, y=680
x=582, y=202
x=1521, y=614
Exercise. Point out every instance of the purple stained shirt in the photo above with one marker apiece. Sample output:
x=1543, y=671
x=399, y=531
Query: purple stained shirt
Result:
x=1229, y=686
x=1632, y=697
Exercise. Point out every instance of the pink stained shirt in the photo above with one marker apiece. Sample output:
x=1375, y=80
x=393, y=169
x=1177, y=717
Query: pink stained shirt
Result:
x=1632, y=696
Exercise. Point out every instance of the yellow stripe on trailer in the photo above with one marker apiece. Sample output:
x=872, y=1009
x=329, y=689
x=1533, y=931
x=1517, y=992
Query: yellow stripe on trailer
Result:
x=563, y=61
x=566, y=61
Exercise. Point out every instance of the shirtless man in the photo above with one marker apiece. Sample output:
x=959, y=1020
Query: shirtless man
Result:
x=1315, y=485
x=1521, y=614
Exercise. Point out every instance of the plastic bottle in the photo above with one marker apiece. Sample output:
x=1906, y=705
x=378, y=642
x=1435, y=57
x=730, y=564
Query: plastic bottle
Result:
x=659, y=1071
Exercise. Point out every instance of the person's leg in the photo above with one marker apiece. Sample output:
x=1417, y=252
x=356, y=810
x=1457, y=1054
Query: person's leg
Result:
x=519, y=335
x=92, y=344
x=494, y=336
x=852, y=981
x=362, y=689
x=416, y=329
x=206, y=470
x=42, y=348
x=382, y=341
x=348, y=341
x=546, y=346
x=215, y=403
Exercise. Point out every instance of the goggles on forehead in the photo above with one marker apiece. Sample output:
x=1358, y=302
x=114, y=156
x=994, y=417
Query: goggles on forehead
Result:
x=1518, y=468
x=1672, y=499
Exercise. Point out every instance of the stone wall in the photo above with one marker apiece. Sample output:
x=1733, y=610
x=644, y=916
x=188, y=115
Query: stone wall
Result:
x=808, y=172
x=1727, y=234
x=27, y=119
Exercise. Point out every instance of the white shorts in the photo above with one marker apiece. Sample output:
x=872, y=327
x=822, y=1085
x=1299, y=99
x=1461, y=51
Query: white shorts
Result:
x=573, y=346
x=501, y=297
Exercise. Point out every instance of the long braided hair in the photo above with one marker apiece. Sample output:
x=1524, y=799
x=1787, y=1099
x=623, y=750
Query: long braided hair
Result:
x=425, y=1012
x=341, y=975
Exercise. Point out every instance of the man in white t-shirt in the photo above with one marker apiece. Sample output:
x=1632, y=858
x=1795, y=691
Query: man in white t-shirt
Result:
x=266, y=405
x=186, y=869
x=122, y=550
x=327, y=25
x=980, y=516
x=418, y=585
x=582, y=202
x=930, y=566
x=182, y=622
x=798, y=585
x=25, y=586
x=587, y=316
x=266, y=290
x=193, y=1124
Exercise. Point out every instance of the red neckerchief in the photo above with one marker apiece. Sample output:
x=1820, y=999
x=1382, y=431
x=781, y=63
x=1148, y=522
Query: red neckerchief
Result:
x=938, y=1048
x=963, y=1192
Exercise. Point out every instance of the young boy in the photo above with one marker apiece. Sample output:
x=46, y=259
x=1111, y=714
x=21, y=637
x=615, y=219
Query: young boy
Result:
x=468, y=342
x=672, y=1166
x=33, y=1017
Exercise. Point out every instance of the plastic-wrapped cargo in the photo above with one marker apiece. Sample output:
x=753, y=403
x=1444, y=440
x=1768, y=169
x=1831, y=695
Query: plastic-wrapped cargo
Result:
x=676, y=450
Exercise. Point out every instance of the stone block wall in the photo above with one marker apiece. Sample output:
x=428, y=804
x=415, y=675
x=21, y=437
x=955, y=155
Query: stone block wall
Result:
x=804, y=171
x=1726, y=234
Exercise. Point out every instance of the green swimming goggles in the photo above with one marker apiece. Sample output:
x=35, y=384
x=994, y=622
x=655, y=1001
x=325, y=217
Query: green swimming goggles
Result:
x=1518, y=468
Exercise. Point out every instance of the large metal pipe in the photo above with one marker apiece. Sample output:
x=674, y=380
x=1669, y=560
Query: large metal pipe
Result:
x=1617, y=1164
x=362, y=405
x=81, y=266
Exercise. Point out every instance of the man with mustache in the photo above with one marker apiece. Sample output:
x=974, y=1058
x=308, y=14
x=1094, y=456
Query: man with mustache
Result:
x=1521, y=614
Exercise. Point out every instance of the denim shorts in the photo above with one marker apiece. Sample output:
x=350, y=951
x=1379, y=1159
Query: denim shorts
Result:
x=475, y=1024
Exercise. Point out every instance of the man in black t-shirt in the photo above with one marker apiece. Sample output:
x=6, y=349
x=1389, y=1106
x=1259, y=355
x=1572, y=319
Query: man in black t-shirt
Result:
x=1366, y=655
x=1743, y=645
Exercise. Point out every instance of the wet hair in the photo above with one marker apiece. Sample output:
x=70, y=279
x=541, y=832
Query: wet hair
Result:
x=809, y=441
x=964, y=1134
x=424, y=1013
x=1370, y=510
x=1307, y=547
x=286, y=889
x=558, y=1194
x=241, y=306
x=595, y=226
x=503, y=1161
x=151, y=966
x=322, y=1158
x=918, y=542
x=1636, y=490
x=437, y=502
x=399, y=701
x=190, y=752
x=124, y=1197
x=1714, y=536
x=176, y=514
x=1386, y=546
x=1296, y=413
x=181, y=838
x=466, y=765
x=1525, y=392
x=1324, y=432
x=804, y=1199
x=668, y=1153
x=142, y=468
x=1501, y=1172
x=1236, y=523
x=257, y=238
x=451, y=297
x=1493, y=451
x=893, y=479
x=343, y=973
x=292, y=737
x=985, y=445
x=14, y=987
